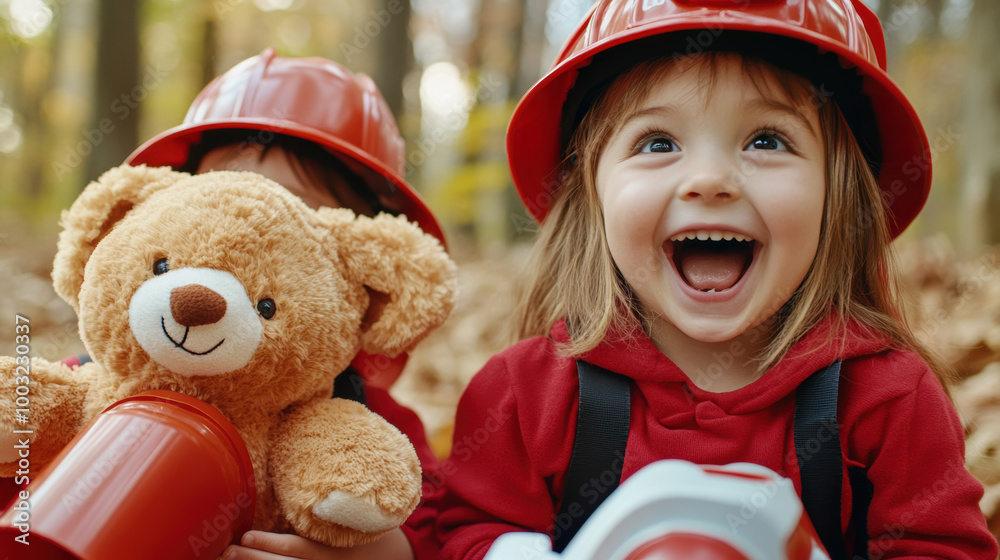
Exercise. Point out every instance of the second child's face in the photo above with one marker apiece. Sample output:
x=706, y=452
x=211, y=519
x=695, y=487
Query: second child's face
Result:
x=278, y=165
x=713, y=198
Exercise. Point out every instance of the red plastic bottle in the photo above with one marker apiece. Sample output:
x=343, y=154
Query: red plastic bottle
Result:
x=158, y=475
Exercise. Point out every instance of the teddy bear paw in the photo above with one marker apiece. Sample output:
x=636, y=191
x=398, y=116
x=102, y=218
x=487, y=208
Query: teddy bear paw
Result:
x=348, y=510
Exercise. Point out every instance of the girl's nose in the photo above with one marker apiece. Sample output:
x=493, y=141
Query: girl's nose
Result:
x=710, y=182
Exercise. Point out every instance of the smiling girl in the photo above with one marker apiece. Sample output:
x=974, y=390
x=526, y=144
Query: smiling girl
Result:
x=709, y=178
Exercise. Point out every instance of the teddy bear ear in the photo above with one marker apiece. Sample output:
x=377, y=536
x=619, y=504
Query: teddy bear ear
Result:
x=409, y=276
x=101, y=205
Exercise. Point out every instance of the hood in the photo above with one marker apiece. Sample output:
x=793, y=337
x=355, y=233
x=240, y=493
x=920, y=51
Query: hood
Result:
x=636, y=356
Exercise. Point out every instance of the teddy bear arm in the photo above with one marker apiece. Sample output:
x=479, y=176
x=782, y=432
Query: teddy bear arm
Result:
x=342, y=474
x=45, y=399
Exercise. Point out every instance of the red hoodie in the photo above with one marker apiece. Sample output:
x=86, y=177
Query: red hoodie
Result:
x=515, y=425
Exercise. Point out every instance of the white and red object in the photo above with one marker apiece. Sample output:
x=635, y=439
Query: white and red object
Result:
x=673, y=510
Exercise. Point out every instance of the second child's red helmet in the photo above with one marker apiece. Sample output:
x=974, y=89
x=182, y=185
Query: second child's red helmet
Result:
x=318, y=100
x=836, y=42
x=313, y=99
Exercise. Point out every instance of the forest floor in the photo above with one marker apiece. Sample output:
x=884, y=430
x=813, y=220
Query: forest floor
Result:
x=955, y=308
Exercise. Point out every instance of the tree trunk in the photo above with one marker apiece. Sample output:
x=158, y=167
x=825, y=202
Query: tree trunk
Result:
x=12, y=96
x=506, y=29
x=885, y=8
x=36, y=155
x=980, y=197
x=114, y=130
x=394, y=56
x=532, y=45
x=209, y=46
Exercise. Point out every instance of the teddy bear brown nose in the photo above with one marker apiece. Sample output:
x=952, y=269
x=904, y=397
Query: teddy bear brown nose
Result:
x=195, y=305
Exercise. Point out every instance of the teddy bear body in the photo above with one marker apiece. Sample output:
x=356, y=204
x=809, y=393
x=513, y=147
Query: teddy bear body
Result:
x=225, y=287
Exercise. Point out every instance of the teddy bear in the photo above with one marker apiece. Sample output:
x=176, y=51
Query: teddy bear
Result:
x=227, y=288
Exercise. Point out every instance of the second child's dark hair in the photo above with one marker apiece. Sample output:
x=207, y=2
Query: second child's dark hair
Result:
x=303, y=151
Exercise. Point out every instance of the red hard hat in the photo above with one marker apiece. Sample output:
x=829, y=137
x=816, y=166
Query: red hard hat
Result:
x=317, y=100
x=885, y=124
x=310, y=98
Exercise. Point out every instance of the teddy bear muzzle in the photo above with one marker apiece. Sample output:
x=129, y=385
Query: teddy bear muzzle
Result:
x=195, y=321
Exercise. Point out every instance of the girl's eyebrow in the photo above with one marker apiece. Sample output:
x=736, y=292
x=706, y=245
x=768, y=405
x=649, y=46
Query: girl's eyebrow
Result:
x=763, y=104
x=758, y=104
x=654, y=110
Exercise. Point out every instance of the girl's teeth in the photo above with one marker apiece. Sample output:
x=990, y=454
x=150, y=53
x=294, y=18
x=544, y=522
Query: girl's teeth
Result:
x=714, y=235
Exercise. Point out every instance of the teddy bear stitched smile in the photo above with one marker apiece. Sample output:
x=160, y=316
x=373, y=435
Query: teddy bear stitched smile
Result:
x=180, y=344
x=193, y=305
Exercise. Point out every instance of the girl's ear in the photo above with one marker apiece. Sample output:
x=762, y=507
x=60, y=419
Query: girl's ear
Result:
x=409, y=277
x=101, y=205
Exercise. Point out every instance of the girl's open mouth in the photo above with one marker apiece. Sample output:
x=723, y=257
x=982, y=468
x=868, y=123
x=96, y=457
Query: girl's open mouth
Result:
x=711, y=261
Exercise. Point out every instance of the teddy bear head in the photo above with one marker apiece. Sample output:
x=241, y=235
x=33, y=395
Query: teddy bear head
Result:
x=225, y=286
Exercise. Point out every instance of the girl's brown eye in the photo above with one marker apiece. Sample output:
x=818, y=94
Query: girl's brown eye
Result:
x=660, y=145
x=655, y=143
x=767, y=142
x=160, y=267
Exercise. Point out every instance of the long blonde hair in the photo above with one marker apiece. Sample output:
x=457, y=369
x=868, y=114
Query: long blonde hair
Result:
x=571, y=274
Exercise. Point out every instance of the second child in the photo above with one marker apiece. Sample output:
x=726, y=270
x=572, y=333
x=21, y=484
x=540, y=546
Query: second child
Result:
x=327, y=136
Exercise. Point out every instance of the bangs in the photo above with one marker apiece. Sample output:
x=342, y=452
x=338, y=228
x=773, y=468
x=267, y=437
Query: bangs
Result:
x=632, y=89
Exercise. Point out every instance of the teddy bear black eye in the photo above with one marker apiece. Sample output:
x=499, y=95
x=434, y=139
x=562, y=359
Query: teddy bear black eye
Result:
x=160, y=267
x=267, y=308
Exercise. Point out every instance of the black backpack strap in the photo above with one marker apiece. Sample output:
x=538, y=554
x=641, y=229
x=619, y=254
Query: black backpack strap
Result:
x=598, y=450
x=817, y=446
x=349, y=385
x=861, y=492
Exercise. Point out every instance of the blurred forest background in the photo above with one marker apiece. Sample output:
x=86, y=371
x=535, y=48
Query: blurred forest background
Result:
x=452, y=71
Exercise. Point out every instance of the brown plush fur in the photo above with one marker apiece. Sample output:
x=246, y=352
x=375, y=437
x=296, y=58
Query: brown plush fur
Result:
x=340, y=283
x=342, y=428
